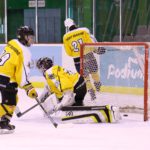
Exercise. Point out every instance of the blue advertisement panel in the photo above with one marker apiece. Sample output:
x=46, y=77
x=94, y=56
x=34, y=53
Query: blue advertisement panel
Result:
x=121, y=68
x=47, y=50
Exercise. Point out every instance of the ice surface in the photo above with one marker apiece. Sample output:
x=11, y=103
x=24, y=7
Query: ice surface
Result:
x=34, y=132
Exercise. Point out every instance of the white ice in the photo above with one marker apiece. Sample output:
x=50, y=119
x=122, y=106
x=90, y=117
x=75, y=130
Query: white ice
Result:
x=34, y=132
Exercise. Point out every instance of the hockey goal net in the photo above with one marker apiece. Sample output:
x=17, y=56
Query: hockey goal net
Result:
x=123, y=70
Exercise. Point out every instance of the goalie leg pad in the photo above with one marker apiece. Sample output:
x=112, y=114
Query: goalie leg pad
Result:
x=90, y=114
x=85, y=118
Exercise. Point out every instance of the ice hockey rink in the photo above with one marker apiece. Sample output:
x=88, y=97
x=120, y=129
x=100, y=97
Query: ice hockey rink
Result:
x=34, y=132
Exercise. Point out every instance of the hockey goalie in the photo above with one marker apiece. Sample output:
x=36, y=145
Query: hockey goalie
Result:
x=64, y=94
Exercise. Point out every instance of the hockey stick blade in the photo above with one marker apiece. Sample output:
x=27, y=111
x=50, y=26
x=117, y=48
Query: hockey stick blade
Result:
x=19, y=113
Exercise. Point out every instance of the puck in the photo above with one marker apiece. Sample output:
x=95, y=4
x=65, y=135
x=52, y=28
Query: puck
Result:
x=125, y=115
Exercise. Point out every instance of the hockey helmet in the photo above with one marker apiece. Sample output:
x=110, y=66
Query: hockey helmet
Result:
x=44, y=63
x=22, y=32
x=69, y=22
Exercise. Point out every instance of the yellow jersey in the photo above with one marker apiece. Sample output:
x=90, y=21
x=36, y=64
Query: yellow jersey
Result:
x=73, y=39
x=60, y=80
x=15, y=62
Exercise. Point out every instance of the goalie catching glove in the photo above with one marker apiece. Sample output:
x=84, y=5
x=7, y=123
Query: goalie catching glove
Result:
x=30, y=90
x=100, y=50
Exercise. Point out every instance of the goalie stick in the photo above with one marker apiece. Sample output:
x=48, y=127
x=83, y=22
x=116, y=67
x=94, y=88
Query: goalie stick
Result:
x=19, y=113
x=50, y=118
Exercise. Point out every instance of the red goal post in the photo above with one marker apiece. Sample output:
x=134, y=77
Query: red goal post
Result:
x=123, y=44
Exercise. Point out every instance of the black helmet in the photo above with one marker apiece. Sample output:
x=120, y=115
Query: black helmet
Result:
x=22, y=32
x=44, y=63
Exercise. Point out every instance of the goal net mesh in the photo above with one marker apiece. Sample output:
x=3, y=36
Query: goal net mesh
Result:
x=123, y=71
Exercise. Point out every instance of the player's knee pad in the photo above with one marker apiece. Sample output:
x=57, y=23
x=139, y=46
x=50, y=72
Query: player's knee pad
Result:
x=9, y=97
x=2, y=111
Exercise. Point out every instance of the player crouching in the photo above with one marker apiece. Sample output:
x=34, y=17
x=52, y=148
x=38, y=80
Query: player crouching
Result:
x=66, y=92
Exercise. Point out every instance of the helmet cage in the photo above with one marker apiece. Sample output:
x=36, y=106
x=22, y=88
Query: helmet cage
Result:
x=44, y=64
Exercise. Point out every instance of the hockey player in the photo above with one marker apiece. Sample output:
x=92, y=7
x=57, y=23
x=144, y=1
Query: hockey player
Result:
x=72, y=41
x=70, y=91
x=15, y=63
x=69, y=88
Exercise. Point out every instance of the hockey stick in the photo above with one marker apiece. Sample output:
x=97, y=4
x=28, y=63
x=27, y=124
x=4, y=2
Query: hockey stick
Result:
x=19, y=113
x=50, y=118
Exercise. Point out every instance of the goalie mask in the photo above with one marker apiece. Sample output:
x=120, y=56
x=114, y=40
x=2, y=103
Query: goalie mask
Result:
x=44, y=64
x=23, y=33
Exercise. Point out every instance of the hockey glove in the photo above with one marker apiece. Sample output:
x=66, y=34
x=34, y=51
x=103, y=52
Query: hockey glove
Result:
x=100, y=50
x=30, y=90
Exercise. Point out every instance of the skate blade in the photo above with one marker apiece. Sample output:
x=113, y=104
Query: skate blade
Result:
x=4, y=131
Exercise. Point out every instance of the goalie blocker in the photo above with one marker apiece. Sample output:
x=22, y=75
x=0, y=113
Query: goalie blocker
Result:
x=89, y=114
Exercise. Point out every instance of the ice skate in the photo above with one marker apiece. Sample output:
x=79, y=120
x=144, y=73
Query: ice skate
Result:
x=5, y=127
